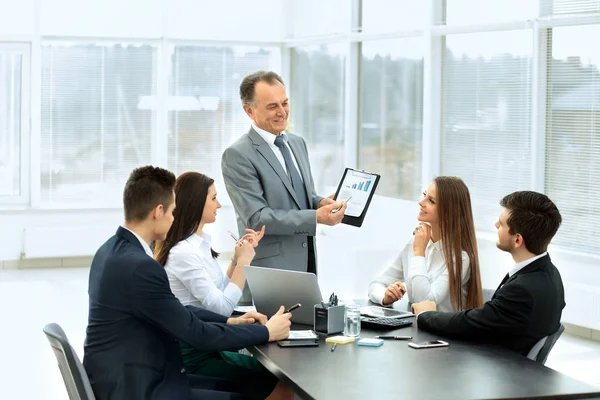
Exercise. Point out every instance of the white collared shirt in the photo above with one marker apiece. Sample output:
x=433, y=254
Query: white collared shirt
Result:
x=425, y=278
x=145, y=245
x=197, y=279
x=519, y=266
x=270, y=139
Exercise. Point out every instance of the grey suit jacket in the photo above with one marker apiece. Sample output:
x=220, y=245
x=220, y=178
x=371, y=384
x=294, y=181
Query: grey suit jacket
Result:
x=262, y=194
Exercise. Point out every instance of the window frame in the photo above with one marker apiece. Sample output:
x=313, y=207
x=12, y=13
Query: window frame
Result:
x=22, y=199
x=156, y=150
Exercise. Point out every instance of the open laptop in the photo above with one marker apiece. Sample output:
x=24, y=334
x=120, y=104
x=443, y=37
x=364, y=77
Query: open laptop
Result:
x=272, y=288
x=384, y=312
x=385, y=318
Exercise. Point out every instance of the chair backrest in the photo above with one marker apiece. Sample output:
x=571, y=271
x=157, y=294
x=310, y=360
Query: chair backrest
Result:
x=540, y=351
x=76, y=380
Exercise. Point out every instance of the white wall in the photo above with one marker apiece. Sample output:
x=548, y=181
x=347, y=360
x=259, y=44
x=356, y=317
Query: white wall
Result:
x=14, y=224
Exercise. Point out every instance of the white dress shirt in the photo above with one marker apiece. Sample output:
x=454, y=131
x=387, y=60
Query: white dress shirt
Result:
x=147, y=248
x=425, y=278
x=519, y=266
x=197, y=279
x=270, y=139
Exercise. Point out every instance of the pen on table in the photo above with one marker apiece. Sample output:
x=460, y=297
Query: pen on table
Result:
x=292, y=308
x=394, y=337
x=233, y=236
x=333, y=347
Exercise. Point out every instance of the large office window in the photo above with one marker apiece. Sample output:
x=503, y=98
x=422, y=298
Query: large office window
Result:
x=205, y=111
x=573, y=135
x=486, y=116
x=391, y=114
x=11, y=173
x=317, y=108
x=98, y=120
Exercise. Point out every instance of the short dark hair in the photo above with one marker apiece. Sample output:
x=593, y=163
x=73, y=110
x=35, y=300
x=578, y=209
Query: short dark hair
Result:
x=534, y=216
x=248, y=85
x=146, y=188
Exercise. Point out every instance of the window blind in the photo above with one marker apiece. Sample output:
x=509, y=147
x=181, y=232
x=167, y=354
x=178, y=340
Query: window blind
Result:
x=317, y=108
x=205, y=110
x=573, y=135
x=464, y=12
x=391, y=122
x=95, y=125
x=486, y=117
x=562, y=7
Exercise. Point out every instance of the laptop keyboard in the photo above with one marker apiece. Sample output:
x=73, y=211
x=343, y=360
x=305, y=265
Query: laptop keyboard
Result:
x=391, y=323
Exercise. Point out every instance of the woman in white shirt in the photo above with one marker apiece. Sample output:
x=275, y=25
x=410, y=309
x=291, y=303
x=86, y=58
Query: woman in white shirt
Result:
x=196, y=279
x=440, y=263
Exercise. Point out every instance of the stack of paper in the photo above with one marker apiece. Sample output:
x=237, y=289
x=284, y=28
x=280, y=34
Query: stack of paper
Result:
x=340, y=339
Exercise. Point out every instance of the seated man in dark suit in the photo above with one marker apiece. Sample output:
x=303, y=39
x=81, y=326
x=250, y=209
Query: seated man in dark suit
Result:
x=528, y=304
x=131, y=349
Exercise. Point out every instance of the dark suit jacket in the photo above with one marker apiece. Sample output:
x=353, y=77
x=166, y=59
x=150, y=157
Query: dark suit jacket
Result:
x=131, y=349
x=524, y=309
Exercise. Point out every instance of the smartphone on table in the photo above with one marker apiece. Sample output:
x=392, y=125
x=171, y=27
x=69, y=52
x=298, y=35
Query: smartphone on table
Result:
x=298, y=343
x=429, y=344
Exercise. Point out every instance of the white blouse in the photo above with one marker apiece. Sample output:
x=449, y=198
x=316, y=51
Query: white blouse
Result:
x=425, y=278
x=197, y=279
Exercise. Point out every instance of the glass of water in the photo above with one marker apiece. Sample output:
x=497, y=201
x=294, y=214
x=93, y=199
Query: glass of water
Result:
x=352, y=320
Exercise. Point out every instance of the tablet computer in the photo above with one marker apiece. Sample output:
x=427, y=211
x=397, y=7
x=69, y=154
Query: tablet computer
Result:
x=357, y=189
x=383, y=312
x=298, y=343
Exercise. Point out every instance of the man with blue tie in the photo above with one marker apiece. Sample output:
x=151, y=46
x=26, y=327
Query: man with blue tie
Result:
x=268, y=178
x=528, y=303
x=131, y=349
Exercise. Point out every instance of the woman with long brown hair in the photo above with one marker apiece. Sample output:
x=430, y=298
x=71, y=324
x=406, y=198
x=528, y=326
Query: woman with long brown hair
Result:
x=194, y=274
x=440, y=263
x=196, y=279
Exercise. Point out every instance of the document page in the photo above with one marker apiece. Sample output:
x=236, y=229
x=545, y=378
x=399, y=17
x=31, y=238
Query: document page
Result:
x=357, y=187
x=307, y=334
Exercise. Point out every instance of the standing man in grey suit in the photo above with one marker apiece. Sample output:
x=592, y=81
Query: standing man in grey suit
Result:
x=267, y=175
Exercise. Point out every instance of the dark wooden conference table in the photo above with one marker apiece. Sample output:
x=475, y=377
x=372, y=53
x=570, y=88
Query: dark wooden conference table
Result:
x=395, y=371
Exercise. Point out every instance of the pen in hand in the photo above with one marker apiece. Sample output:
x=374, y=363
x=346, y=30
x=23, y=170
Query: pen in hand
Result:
x=335, y=210
x=394, y=337
x=233, y=236
x=292, y=308
x=333, y=347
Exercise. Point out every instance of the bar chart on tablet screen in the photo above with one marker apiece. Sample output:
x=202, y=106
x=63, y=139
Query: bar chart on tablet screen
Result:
x=356, y=186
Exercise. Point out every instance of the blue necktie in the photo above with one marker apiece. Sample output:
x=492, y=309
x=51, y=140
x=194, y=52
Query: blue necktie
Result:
x=292, y=172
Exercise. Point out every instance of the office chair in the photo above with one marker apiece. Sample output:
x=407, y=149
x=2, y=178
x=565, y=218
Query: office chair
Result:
x=539, y=352
x=76, y=380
